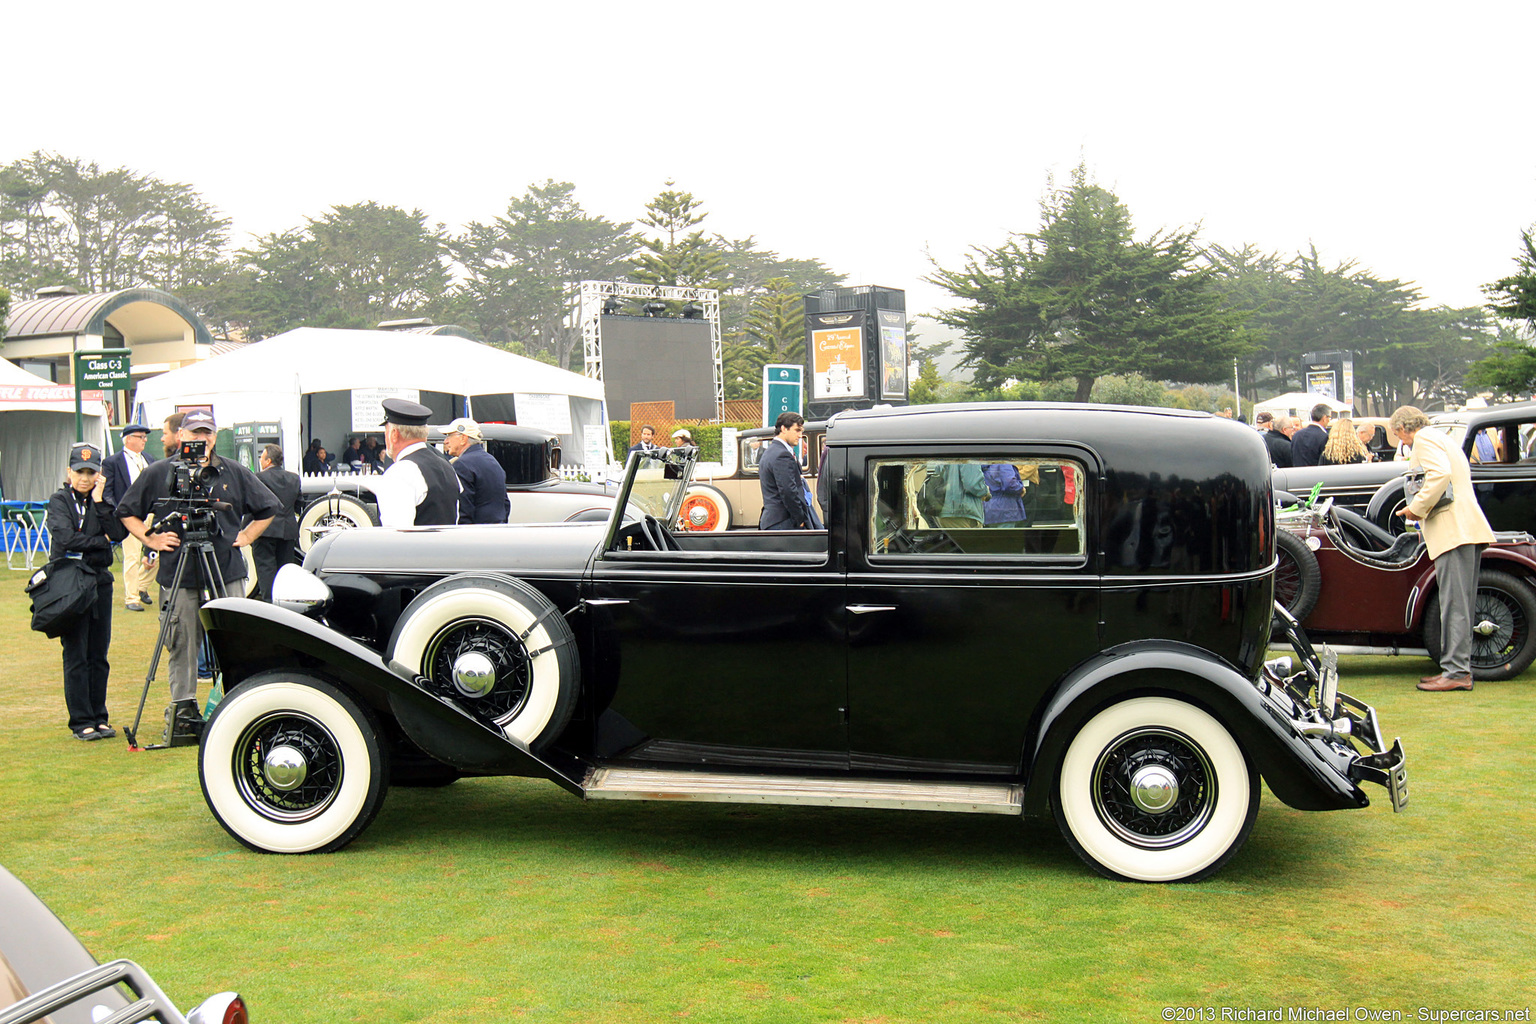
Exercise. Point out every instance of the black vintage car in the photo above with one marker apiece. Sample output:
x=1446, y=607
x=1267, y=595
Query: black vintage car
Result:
x=1098, y=656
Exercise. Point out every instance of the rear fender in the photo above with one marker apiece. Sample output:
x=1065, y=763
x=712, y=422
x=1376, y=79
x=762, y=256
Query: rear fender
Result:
x=1298, y=770
x=252, y=636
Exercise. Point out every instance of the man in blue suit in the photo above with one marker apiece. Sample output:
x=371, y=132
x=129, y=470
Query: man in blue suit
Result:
x=786, y=498
x=121, y=469
x=483, y=498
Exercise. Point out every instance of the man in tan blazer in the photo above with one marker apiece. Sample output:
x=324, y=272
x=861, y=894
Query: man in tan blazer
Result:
x=1455, y=536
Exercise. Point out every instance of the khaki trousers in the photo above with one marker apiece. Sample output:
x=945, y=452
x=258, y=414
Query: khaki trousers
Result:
x=136, y=575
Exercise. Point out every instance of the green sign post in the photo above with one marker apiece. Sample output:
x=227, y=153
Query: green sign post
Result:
x=105, y=369
x=783, y=390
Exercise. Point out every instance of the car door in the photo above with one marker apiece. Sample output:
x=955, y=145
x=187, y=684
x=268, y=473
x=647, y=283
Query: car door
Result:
x=957, y=627
x=729, y=651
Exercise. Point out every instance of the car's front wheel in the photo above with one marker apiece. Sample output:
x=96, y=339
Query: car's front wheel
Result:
x=291, y=764
x=1503, y=627
x=1154, y=789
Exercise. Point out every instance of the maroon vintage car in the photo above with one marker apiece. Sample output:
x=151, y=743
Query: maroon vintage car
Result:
x=1363, y=590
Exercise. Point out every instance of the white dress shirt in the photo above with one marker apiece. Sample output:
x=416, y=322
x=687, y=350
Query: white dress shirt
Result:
x=401, y=489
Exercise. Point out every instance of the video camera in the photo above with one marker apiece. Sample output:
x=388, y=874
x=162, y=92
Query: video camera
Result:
x=189, y=512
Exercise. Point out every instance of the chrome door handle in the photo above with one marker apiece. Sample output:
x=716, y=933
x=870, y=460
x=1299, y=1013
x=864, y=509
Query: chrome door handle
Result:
x=865, y=609
x=602, y=601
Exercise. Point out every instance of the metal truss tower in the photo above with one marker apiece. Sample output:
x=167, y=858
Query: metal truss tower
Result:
x=593, y=294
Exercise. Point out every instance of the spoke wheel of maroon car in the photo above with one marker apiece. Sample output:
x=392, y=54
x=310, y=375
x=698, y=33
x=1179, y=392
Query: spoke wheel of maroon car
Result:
x=291, y=764
x=333, y=512
x=1503, y=626
x=1154, y=789
x=496, y=648
x=1298, y=580
x=705, y=510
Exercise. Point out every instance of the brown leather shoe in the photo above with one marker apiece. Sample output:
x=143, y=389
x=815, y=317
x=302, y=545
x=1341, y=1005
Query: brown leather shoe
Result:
x=1440, y=684
x=1429, y=679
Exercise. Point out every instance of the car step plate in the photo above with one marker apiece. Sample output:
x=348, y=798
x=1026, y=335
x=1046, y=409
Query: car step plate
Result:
x=648, y=784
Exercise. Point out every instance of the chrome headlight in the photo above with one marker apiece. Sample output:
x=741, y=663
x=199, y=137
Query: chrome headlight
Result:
x=300, y=591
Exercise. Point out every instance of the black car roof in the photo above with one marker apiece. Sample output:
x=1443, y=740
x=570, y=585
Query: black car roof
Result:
x=1002, y=420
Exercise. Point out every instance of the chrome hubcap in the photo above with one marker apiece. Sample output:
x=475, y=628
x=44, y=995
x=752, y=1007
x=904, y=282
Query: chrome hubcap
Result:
x=285, y=768
x=1154, y=789
x=474, y=674
x=1485, y=628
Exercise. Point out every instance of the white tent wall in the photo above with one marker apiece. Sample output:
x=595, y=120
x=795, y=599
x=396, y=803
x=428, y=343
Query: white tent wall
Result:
x=34, y=450
x=303, y=378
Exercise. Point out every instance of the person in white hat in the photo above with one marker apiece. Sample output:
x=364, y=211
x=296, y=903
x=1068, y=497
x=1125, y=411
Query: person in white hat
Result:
x=482, y=477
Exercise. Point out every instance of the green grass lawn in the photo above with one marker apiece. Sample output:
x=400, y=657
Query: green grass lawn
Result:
x=505, y=899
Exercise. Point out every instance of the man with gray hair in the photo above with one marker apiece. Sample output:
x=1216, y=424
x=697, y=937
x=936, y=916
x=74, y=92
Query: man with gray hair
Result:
x=1455, y=535
x=484, y=498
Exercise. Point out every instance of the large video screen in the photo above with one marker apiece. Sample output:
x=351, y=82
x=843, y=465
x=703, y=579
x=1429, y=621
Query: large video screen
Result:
x=658, y=359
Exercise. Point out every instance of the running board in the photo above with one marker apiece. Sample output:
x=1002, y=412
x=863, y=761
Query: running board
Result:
x=720, y=787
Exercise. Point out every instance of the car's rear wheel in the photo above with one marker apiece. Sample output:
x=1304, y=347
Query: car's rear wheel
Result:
x=1298, y=580
x=291, y=764
x=705, y=510
x=496, y=648
x=1503, y=626
x=334, y=512
x=1154, y=789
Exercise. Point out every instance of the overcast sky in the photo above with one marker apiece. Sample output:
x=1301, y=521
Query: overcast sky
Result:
x=864, y=135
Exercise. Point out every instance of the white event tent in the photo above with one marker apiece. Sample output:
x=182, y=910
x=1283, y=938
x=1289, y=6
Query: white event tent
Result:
x=1297, y=403
x=37, y=426
x=327, y=383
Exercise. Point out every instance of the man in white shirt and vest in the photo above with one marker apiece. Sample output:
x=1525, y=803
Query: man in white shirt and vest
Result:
x=420, y=487
x=121, y=470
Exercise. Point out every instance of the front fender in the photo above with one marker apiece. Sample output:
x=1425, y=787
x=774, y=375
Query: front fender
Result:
x=1303, y=772
x=252, y=636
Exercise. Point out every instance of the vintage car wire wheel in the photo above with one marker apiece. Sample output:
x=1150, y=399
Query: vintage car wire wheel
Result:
x=291, y=764
x=1503, y=626
x=505, y=627
x=1298, y=579
x=1154, y=789
x=1389, y=499
x=705, y=510
x=343, y=511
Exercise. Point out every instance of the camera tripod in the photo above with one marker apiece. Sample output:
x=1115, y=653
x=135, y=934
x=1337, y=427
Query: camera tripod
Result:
x=196, y=544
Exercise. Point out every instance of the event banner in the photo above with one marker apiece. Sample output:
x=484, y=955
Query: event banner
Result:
x=837, y=354
x=368, y=405
x=893, y=353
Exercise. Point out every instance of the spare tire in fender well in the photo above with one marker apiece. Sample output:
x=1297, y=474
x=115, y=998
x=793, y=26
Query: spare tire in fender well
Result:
x=1287, y=763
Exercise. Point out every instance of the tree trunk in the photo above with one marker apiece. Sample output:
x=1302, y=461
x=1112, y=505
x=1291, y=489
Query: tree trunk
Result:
x=1084, y=388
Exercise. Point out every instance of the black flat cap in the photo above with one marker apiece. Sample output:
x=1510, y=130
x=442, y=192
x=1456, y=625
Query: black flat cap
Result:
x=405, y=413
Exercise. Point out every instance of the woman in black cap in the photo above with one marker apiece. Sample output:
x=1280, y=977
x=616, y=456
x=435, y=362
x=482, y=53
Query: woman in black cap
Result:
x=84, y=526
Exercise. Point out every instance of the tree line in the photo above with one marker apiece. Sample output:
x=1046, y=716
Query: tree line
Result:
x=1051, y=311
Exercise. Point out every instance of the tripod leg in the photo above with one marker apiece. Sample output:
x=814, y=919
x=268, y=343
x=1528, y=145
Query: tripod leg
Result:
x=167, y=599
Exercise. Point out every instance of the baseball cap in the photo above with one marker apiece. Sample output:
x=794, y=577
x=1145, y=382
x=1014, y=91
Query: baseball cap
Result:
x=84, y=455
x=680, y=432
x=199, y=419
x=463, y=425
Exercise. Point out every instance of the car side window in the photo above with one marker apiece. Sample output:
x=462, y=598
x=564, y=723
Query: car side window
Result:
x=997, y=506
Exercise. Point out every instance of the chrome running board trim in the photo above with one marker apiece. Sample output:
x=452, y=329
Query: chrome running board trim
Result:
x=721, y=787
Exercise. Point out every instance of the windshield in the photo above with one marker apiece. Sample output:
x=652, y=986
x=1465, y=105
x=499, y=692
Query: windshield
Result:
x=654, y=482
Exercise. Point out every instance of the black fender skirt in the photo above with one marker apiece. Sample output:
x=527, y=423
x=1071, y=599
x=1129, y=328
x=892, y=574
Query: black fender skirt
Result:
x=249, y=637
x=1304, y=772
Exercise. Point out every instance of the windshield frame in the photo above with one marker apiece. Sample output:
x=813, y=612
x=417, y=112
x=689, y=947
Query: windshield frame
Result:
x=643, y=490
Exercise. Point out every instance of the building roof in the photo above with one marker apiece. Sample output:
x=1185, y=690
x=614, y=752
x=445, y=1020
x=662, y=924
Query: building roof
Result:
x=89, y=314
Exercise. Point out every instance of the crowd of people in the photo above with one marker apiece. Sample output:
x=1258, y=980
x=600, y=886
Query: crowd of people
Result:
x=1328, y=440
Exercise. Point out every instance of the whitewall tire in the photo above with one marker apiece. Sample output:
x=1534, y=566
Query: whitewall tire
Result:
x=1154, y=789
x=496, y=648
x=333, y=512
x=291, y=764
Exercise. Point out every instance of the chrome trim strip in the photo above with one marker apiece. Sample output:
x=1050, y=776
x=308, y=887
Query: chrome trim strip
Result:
x=720, y=787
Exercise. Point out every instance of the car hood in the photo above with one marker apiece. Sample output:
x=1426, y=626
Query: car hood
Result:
x=543, y=548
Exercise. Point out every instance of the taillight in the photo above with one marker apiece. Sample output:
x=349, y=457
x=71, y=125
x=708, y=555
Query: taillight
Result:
x=224, y=1008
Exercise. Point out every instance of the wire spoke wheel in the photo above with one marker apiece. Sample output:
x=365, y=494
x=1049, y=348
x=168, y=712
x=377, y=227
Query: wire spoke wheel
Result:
x=506, y=656
x=288, y=766
x=1153, y=789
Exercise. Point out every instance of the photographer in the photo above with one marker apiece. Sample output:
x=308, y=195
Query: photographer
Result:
x=198, y=489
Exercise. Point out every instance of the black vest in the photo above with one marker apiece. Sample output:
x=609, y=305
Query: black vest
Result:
x=441, y=505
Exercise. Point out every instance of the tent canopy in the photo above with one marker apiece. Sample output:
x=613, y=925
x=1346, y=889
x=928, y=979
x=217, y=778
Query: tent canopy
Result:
x=37, y=426
x=264, y=381
x=1297, y=403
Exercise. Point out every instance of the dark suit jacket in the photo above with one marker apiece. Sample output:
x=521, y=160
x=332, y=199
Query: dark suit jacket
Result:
x=1279, y=448
x=115, y=468
x=784, y=505
x=484, y=497
x=1307, y=444
x=285, y=486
